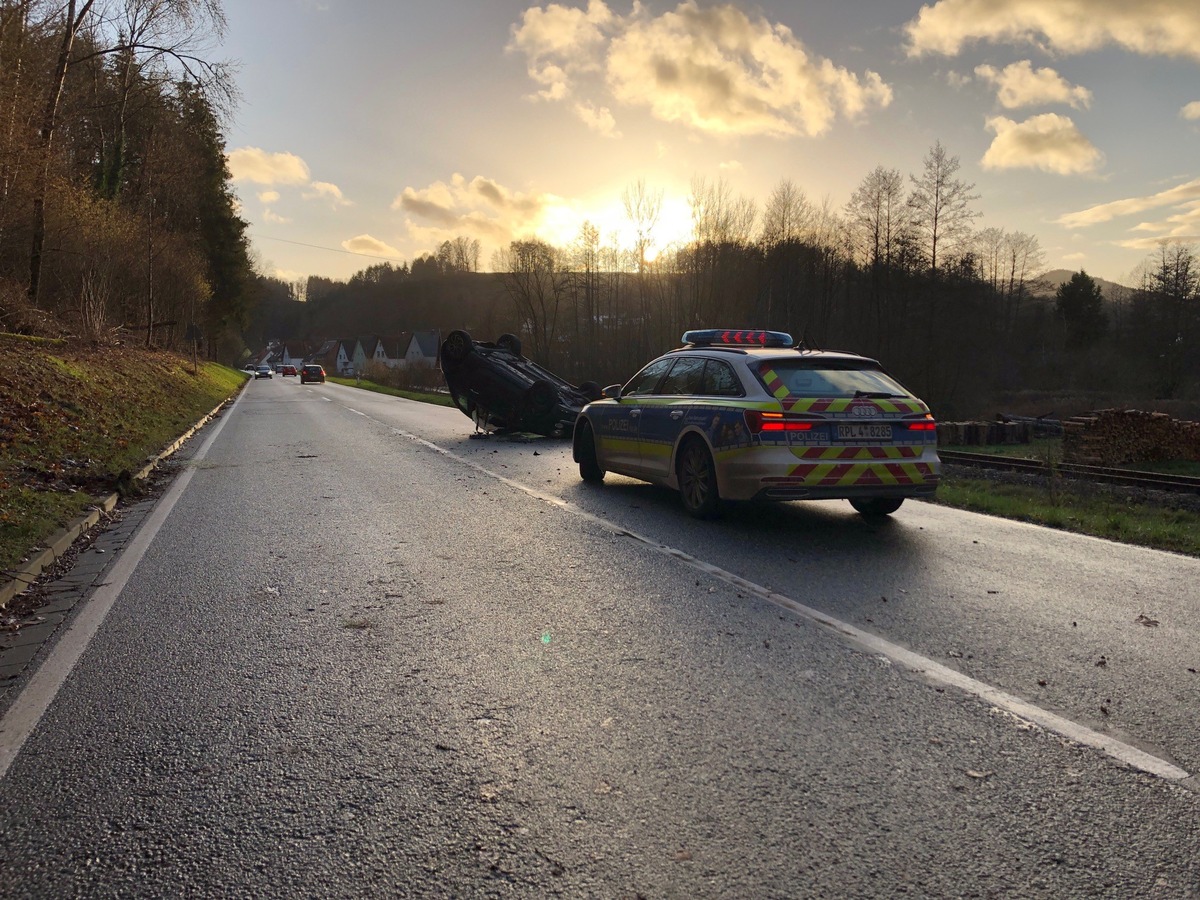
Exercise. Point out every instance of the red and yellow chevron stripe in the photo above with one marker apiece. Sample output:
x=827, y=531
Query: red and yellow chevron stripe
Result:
x=856, y=474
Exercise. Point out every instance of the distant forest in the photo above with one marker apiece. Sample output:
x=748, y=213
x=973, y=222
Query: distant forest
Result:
x=965, y=317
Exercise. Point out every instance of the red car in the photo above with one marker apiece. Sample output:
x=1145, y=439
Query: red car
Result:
x=312, y=373
x=288, y=370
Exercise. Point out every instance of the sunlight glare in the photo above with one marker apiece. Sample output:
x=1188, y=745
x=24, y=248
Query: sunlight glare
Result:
x=562, y=223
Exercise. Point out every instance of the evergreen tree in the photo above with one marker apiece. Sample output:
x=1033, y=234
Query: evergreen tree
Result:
x=222, y=233
x=1079, y=304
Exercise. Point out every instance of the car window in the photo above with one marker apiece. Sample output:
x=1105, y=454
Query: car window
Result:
x=720, y=380
x=823, y=378
x=646, y=380
x=685, y=377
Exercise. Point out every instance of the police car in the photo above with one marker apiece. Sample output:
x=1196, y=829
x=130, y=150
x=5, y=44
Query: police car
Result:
x=748, y=415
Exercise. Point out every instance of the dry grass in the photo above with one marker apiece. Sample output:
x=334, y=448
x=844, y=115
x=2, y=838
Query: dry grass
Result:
x=73, y=418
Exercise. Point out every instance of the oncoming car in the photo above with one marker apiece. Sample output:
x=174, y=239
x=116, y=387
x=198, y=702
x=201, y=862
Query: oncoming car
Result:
x=746, y=415
x=263, y=372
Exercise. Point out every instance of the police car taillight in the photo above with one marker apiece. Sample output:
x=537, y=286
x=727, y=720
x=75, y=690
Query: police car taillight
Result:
x=758, y=421
x=926, y=424
x=733, y=337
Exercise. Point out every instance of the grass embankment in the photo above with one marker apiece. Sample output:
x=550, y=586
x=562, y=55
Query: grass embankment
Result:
x=422, y=396
x=72, y=419
x=1077, y=506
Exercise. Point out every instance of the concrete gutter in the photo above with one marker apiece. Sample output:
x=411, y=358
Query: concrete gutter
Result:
x=23, y=575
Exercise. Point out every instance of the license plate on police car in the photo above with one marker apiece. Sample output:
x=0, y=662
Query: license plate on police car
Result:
x=856, y=431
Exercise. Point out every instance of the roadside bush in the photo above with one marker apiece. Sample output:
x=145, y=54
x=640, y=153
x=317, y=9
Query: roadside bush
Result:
x=405, y=378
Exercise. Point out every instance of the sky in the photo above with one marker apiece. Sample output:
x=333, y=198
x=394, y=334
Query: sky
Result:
x=372, y=130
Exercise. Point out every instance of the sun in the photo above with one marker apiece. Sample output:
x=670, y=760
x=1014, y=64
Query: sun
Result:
x=562, y=223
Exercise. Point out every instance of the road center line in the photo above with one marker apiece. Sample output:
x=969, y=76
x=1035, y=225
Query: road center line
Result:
x=930, y=669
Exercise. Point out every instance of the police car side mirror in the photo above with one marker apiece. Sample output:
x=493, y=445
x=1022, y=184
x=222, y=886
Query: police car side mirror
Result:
x=612, y=392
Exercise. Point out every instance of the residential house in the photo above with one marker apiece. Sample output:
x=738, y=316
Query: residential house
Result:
x=294, y=353
x=424, y=349
x=332, y=356
x=365, y=350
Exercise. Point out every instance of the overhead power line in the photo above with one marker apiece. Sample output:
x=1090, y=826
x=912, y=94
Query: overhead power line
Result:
x=267, y=237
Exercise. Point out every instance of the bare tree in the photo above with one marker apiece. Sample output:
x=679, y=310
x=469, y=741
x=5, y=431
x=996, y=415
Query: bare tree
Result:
x=717, y=216
x=459, y=255
x=73, y=17
x=940, y=205
x=534, y=277
x=159, y=30
x=1024, y=258
x=788, y=215
x=643, y=208
x=877, y=216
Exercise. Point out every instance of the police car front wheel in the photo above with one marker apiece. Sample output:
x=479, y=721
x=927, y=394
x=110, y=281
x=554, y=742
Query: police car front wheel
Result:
x=589, y=466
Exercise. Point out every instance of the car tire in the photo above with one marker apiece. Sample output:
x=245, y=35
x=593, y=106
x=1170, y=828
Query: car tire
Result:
x=509, y=342
x=457, y=346
x=585, y=450
x=591, y=391
x=697, y=478
x=876, y=507
x=539, y=400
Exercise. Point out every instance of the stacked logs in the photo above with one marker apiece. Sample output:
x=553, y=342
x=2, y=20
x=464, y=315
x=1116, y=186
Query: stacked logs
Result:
x=1114, y=437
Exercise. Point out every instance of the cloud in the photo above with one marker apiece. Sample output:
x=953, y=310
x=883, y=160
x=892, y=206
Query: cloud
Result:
x=714, y=69
x=1148, y=27
x=268, y=196
x=730, y=165
x=273, y=218
x=323, y=190
x=599, y=120
x=1020, y=85
x=560, y=42
x=1182, y=196
x=480, y=206
x=1047, y=142
x=1191, y=112
x=1183, y=226
x=370, y=246
x=256, y=165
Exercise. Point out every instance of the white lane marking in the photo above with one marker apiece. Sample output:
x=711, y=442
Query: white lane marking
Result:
x=934, y=671
x=29, y=707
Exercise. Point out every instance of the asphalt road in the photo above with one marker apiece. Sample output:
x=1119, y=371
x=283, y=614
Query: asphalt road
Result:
x=364, y=654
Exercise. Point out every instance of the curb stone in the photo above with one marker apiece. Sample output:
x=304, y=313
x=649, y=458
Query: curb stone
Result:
x=24, y=575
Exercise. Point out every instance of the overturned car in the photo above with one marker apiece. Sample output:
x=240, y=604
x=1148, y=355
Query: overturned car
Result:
x=500, y=390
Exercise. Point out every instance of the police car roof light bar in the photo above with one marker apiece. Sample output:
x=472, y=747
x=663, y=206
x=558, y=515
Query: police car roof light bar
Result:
x=738, y=337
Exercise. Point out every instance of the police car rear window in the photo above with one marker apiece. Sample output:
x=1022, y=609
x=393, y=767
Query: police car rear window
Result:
x=813, y=378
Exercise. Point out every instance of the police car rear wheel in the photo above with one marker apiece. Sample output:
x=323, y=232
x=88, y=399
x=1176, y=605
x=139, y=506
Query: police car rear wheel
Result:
x=589, y=467
x=698, y=480
x=875, y=507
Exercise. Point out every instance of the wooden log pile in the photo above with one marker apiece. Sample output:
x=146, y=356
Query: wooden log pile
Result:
x=1115, y=437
